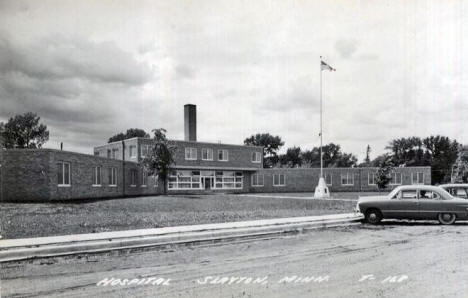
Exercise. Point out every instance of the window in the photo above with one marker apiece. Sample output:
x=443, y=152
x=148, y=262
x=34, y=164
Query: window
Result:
x=63, y=174
x=328, y=179
x=371, y=180
x=132, y=149
x=144, y=150
x=347, y=179
x=395, y=179
x=144, y=178
x=417, y=178
x=96, y=153
x=428, y=195
x=133, y=178
x=256, y=157
x=207, y=154
x=108, y=153
x=279, y=180
x=257, y=180
x=184, y=180
x=458, y=192
x=408, y=194
x=197, y=179
x=97, y=176
x=190, y=153
x=114, y=153
x=223, y=155
x=112, y=176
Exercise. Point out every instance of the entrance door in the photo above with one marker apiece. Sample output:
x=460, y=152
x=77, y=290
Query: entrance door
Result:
x=208, y=182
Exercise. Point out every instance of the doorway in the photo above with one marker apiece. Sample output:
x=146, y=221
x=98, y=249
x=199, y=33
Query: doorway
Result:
x=208, y=183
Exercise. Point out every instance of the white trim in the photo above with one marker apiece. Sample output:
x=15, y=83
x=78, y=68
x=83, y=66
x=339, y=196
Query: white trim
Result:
x=257, y=157
x=348, y=175
x=207, y=150
x=225, y=158
x=62, y=164
x=374, y=180
x=190, y=151
x=257, y=185
x=394, y=174
x=417, y=176
x=95, y=176
x=113, y=177
x=279, y=180
x=130, y=151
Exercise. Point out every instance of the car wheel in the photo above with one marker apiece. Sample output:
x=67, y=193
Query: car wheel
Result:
x=446, y=218
x=373, y=216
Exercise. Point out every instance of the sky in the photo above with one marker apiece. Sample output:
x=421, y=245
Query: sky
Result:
x=91, y=69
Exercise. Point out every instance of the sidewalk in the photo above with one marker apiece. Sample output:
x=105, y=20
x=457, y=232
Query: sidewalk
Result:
x=19, y=249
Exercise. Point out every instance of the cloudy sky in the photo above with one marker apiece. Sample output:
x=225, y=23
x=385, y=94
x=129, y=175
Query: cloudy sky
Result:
x=91, y=69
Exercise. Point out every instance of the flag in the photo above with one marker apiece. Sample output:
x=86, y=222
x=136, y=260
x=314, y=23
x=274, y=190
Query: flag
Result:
x=325, y=66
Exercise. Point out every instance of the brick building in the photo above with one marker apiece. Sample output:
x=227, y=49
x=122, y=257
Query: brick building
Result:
x=115, y=170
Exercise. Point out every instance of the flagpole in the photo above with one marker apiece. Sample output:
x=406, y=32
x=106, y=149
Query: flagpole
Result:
x=321, y=156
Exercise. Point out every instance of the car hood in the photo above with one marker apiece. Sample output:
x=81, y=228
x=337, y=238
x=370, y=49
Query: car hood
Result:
x=371, y=198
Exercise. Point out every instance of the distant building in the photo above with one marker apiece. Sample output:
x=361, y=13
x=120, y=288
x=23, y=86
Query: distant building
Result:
x=115, y=170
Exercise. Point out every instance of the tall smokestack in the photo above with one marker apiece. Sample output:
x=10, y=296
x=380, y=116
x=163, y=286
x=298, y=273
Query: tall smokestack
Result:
x=190, y=122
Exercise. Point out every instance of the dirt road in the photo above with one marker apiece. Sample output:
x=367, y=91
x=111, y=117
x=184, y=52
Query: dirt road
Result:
x=391, y=260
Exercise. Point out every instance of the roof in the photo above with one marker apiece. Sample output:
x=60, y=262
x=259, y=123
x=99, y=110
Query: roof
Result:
x=418, y=186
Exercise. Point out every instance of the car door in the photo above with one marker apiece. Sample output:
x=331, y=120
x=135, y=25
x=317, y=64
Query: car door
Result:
x=404, y=204
x=431, y=204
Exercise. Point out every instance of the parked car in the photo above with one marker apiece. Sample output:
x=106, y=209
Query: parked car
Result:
x=456, y=190
x=414, y=202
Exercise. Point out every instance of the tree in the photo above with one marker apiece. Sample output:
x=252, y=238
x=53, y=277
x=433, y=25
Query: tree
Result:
x=332, y=157
x=24, y=131
x=407, y=151
x=160, y=157
x=292, y=158
x=382, y=177
x=441, y=153
x=438, y=152
x=271, y=144
x=131, y=133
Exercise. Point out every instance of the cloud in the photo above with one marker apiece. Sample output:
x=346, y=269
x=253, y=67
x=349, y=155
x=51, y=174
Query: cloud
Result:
x=57, y=57
x=346, y=47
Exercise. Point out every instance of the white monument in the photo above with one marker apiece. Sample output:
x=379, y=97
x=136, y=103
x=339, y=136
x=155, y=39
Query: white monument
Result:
x=321, y=190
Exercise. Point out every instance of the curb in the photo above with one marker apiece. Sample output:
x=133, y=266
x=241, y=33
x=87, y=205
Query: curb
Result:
x=28, y=248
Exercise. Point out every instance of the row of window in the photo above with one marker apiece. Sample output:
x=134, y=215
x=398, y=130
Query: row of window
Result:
x=223, y=154
x=347, y=179
x=205, y=180
x=257, y=180
x=64, y=176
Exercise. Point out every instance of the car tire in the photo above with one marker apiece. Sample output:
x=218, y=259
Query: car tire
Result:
x=446, y=218
x=373, y=216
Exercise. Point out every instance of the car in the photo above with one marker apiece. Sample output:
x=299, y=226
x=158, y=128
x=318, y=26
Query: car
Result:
x=456, y=190
x=424, y=202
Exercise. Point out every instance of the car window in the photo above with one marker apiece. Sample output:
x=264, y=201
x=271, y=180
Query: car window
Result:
x=409, y=194
x=429, y=195
x=460, y=192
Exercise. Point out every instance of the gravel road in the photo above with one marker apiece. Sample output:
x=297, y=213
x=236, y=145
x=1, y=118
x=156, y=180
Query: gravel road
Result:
x=397, y=259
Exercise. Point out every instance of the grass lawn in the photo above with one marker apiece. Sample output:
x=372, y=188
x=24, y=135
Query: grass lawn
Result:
x=47, y=219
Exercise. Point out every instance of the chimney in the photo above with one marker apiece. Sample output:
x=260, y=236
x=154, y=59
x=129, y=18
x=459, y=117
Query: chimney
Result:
x=190, y=122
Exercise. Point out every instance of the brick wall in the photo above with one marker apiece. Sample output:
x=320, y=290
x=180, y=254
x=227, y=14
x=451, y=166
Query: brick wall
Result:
x=306, y=179
x=25, y=175
x=30, y=175
x=238, y=156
